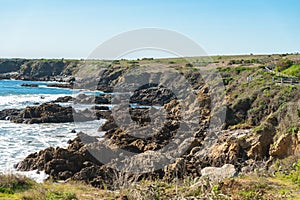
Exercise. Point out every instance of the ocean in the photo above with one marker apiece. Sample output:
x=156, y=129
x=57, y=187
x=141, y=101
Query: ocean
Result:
x=19, y=140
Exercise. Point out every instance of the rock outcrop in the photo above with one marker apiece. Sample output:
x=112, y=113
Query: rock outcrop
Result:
x=44, y=70
x=50, y=113
x=29, y=85
x=286, y=145
x=74, y=163
x=11, y=65
x=8, y=114
x=64, y=99
x=66, y=85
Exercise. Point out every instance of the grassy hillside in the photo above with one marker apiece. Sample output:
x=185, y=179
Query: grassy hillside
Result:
x=294, y=70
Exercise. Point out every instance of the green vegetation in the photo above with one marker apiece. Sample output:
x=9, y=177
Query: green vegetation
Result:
x=251, y=186
x=293, y=70
x=283, y=64
x=242, y=61
x=60, y=195
x=294, y=174
x=10, y=184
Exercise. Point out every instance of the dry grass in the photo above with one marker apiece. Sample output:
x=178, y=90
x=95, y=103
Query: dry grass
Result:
x=250, y=186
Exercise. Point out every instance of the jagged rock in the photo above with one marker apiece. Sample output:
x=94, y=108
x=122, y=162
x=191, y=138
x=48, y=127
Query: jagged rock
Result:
x=7, y=114
x=176, y=169
x=152, y=95
x=10, y=65
x=63, y=99
x=41, y=68
x=286, y=145
x=261, y=141
x=60, y=163
x=92, y=99
x=50, y=113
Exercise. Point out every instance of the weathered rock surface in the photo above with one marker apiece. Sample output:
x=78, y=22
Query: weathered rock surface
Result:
x=92, y=99
x=50, y=113
x=11, y=65
x=75, y=162
x=29, y=85
x=64, y=99
x=7, y=114
x=286, y=145
x=235, y=149
x=219, y=173
x=65, y=85
x=152, y=96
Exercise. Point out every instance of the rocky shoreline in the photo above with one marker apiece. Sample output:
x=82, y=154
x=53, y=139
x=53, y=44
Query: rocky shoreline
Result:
x=236, y=151
x=252, y=135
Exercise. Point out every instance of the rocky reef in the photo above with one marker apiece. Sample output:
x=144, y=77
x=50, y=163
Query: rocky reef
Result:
x=45, y=113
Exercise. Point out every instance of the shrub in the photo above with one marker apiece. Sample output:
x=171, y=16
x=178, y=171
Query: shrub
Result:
x=295, y=173
x=10, y=184
x=283, y=64
x=189, y=65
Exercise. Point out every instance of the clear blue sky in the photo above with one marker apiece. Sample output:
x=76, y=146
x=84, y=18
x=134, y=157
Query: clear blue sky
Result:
x=74, y=28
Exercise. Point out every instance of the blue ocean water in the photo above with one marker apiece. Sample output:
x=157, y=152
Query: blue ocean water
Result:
x=19, y=140
x=13, y=95
x=13, y=87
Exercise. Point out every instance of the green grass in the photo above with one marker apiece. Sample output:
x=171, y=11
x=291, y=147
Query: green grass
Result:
x=60, y=195
x=294, y=70
x=294, y=174
x=10, y=184
x=251, y=186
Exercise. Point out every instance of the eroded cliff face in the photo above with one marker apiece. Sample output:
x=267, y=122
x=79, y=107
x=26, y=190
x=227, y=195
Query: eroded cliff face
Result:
x=36, y=69
x=11, y=65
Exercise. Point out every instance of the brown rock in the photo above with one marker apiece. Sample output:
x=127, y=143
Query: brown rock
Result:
x=286, y=145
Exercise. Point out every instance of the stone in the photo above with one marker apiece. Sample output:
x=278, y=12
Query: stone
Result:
x=219, y=173
x=286, y=145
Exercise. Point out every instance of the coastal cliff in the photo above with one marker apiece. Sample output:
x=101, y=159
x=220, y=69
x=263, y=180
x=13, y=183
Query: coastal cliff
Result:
x=260, y=129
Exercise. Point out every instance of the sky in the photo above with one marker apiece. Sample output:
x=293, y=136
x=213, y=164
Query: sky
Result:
x=74, y=28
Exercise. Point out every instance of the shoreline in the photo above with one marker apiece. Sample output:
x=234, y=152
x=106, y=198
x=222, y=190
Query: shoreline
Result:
x=254, y=133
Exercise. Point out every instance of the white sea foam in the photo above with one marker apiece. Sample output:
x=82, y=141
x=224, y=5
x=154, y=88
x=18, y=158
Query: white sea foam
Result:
x=21, y=101
x=20, y=140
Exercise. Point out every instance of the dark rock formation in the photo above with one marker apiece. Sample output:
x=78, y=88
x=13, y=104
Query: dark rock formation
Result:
x=92, y=99
x=152, y=95
x=69, y=85
x=11, y=65
x=74, y=163
x=42, y=68
x=100, y=108
x=7, y=114
x=29, y=85
x=64, y=99
x=50, y=113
